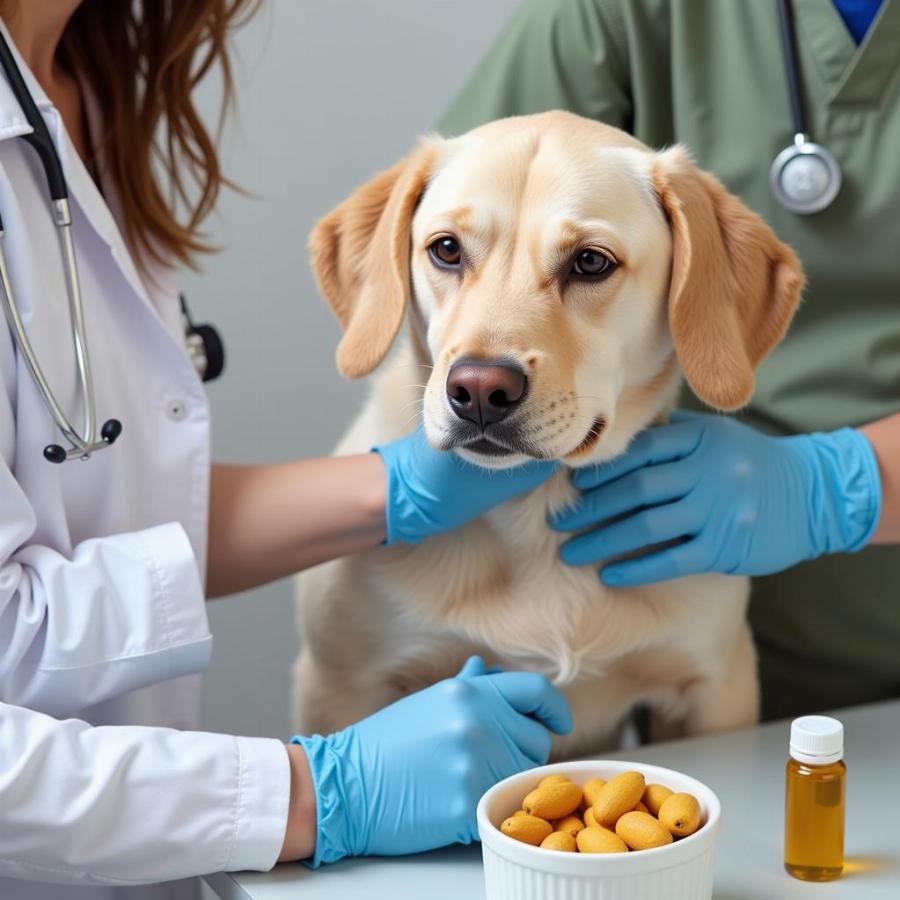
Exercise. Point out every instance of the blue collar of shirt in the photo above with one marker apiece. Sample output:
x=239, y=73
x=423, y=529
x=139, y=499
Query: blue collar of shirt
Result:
x=858, y=15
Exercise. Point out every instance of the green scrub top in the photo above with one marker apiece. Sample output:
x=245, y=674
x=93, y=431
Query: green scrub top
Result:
x=709, y=74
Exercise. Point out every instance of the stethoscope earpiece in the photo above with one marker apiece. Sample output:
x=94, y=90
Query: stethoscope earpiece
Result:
x=111, y=430
x=55, y=454
x=109, y=433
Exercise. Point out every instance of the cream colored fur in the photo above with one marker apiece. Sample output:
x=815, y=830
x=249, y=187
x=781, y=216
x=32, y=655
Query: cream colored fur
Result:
x=702, y=287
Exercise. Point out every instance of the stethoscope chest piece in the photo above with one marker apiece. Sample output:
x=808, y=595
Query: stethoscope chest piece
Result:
x=805, y=178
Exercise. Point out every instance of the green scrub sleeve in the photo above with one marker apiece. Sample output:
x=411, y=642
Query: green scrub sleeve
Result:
x=553, y=54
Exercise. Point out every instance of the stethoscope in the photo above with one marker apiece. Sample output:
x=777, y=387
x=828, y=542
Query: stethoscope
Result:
x=203, y=342
x=805, y=177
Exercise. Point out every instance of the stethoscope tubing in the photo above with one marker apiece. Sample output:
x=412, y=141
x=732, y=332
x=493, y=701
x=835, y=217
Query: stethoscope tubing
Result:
x=791, y=67
x=11, y=310
x=39, y=138
x=85, y=442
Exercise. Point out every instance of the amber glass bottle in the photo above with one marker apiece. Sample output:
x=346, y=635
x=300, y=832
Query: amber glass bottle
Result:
x=815, y=795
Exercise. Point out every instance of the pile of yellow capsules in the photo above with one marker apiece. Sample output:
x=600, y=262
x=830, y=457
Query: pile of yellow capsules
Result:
x=617, y=816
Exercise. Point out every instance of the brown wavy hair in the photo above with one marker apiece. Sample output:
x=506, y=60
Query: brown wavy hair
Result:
x=143, y=61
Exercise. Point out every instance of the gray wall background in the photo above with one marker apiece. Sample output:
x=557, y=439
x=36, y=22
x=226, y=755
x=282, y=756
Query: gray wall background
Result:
x=328, y=92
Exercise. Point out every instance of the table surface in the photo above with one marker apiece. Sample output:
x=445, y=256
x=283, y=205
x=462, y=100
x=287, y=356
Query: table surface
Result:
x=746, y=770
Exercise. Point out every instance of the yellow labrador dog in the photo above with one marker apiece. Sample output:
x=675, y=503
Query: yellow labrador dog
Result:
x=563, y=276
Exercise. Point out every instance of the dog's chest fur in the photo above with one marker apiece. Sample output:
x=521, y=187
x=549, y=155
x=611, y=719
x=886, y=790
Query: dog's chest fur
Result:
x=499, y=588
x=499, y=583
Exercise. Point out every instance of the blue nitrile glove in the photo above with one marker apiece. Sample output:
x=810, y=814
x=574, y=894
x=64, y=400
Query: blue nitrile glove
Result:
x=739, y=501
x=430, y=491
x=409, y=777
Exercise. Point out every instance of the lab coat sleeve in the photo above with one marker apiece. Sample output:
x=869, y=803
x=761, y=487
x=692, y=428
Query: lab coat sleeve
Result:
x=123, y=612
x=129, y=805
x=553, y=54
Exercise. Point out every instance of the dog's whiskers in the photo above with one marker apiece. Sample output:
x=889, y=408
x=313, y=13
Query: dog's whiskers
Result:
x=411, y=402
x=418, y=414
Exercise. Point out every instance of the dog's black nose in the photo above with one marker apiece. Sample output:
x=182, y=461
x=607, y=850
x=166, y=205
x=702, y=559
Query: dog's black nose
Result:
x=484, y=391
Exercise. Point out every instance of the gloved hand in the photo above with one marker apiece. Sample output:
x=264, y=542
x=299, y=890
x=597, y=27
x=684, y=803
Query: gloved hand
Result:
x=430, y=491
x=409, y=777
x=739, y=501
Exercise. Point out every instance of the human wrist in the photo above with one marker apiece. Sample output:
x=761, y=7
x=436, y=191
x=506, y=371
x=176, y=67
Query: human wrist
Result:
x=844, y=496
x=375, y=494
x=300, y=833
x=337, y=791
x=399, y=509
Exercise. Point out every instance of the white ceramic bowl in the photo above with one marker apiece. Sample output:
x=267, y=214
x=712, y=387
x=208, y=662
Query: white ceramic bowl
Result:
x=516, y=871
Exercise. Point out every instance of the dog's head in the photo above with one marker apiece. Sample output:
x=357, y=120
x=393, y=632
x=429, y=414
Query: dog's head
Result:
x=559, y=275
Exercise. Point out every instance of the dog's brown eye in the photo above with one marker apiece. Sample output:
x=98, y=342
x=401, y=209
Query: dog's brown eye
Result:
x=592, y=264
x=446, y=252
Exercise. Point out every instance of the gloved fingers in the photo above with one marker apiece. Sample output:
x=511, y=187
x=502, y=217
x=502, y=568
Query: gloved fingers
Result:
x=663, y=443
x=472, y=668
x=531, y=694
x=475, y=666
x=673, y=562
x=532, y=739
x=648, y=486
x=644, y=529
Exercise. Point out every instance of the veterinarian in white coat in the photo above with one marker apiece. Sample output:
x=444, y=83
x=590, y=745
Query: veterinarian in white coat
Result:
x=105, y=563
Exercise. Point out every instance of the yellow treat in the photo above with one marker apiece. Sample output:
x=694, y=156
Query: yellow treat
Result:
x=559, y=840
x=641, y=831
x=591, y=789
x=680, y=813
x=527, y=829
x=520, y=812
x=654, y=796
x=616, y=798
x=640, y=807
x=599, y=840
x=553, y=801
x=589, y=820
x=553, y=779
x=571, y=824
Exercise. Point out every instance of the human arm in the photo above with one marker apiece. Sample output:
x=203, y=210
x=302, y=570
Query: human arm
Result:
x=300, y=830
x=709, y=494
x=270, y=521
x=884, y=436
x=131, y=805
x=128, y=805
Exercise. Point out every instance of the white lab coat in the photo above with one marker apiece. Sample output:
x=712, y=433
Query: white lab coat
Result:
x=103, y=627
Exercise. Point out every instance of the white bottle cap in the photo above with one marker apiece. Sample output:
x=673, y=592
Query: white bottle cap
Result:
x=817, y=740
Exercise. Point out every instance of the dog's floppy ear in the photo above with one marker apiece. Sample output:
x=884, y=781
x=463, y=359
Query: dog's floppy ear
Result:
x=734, y=286
x=360, y=257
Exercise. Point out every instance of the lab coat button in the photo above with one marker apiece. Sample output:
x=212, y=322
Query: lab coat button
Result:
x=176, y=410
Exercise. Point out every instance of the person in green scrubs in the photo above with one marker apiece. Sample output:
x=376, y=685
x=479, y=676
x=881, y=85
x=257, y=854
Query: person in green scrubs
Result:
x=802, y=488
